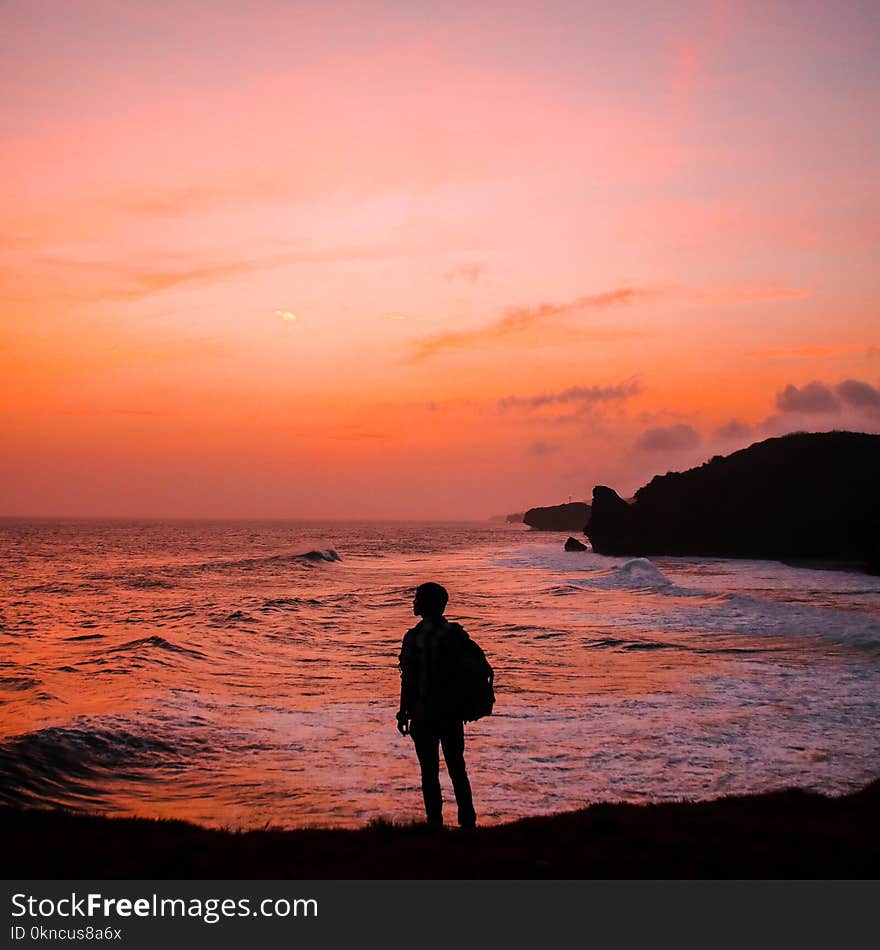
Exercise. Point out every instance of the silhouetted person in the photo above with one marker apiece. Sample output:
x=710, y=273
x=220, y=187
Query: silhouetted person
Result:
x=430, y=701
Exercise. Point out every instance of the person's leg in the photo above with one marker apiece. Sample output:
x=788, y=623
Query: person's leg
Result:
x=452, y=739
x=427, y=742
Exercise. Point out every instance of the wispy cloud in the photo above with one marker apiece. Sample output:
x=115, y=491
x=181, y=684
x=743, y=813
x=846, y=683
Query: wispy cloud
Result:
x=581, y=395
x=192, y=199
x=468, y=273
x=144, y=281
x=698, y=46
x=89, y=281
x=518, y=320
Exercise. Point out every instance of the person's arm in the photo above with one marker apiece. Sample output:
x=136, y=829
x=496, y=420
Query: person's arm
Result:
x=403, y=716
x=402, y=713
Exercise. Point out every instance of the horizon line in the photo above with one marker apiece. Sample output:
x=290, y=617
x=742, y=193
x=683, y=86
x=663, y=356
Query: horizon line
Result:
x=276, y=518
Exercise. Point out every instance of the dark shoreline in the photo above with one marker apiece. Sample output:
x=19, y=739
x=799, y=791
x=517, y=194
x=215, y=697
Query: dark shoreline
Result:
x=786, y=834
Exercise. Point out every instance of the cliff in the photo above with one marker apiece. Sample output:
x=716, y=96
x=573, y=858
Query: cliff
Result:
x=571, y=517
x=808, y=495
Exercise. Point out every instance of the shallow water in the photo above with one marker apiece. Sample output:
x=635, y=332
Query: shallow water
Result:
x=210, y=671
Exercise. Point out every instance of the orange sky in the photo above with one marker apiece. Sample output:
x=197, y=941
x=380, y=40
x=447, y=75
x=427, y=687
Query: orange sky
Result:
x=403, y=260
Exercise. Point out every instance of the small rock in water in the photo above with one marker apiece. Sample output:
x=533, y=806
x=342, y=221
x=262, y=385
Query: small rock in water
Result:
x=572, y=544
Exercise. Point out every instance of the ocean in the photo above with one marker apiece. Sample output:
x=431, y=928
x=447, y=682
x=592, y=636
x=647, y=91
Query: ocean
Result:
x=243, y=674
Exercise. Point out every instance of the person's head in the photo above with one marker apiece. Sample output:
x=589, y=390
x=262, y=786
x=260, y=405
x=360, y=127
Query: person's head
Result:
x=430, y=600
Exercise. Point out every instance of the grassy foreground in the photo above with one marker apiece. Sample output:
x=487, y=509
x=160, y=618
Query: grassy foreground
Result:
x=787, y=834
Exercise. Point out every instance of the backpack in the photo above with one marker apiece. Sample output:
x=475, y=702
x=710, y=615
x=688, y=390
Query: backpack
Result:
x=475, y=683
x=457, y=683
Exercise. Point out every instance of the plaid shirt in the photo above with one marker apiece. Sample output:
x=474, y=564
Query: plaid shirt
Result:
x=429, y=659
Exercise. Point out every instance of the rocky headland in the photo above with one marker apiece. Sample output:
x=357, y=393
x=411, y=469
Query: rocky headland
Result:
x=801, y=496
x=569, y=517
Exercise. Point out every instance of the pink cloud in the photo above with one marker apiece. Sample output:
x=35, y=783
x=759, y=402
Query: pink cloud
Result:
x=517, y=320
x=812, y=397
x=674, y=438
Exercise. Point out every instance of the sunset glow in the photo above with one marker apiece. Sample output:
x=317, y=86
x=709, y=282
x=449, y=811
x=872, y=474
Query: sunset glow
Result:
x=400, y=260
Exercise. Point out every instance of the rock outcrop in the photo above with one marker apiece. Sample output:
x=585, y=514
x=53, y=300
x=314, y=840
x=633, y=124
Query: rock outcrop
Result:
x=571, y=517
x=808, y=495
x=572, y=544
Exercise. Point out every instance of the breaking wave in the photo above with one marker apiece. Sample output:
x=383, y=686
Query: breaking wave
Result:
x=637, y=574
